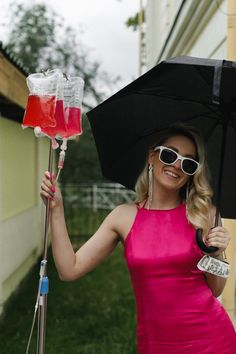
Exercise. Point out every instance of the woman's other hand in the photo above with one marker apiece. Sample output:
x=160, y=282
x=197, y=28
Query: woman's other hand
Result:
x=49, y=190
x=218, y=237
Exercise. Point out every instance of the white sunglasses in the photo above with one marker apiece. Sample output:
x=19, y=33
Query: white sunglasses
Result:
x=169, y=157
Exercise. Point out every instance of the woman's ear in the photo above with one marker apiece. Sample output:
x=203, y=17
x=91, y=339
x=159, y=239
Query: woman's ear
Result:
x=151, y=156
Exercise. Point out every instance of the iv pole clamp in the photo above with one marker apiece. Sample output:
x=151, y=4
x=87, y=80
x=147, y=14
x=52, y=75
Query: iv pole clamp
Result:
x=43, y=281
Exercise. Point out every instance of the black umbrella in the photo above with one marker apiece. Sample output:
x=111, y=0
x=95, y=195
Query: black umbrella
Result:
x=200, y=92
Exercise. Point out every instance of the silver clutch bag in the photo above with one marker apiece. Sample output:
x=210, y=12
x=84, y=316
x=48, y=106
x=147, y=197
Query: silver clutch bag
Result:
x=214, y=266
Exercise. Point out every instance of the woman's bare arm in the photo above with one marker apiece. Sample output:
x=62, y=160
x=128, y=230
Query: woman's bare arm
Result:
x=217, y=237
x=73, y=265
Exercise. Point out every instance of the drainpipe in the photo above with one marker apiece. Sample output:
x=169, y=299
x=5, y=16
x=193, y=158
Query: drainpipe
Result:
x=171, y=31
x=140, y=22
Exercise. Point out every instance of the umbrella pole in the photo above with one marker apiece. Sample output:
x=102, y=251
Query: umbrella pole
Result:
x=43, y=282
x=199, y=238
x=222, y=155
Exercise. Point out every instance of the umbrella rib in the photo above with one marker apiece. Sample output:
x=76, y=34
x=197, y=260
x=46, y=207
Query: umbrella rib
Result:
x=203, y=78
x=233, y=123
x=211, y=131
x=208, y=106
x=175, y=98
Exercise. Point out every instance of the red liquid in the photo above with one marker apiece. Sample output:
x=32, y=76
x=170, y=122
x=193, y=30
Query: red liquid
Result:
x=60, y=128
x=40, y=111
x=73, y=121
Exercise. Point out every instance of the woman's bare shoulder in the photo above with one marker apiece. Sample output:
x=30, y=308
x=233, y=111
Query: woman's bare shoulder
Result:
x=124, y=208
x=124, y=212
x=123, y=217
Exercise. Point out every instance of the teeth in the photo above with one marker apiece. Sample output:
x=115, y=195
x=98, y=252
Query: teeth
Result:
x=171, y=174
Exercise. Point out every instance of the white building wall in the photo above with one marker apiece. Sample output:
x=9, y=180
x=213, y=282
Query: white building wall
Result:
x=211, y=42
x=159, y=19
x=201, y=29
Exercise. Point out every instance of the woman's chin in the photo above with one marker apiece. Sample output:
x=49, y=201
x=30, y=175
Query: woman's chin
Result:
x=171, y=186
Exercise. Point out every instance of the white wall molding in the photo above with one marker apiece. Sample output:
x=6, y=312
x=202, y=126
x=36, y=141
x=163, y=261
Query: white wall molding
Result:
x=193, y=19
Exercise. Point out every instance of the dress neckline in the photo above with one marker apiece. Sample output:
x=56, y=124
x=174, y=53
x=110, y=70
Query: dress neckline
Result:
x=170, y=209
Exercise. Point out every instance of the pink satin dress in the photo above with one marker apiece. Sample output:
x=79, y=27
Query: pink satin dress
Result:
x=176, y=310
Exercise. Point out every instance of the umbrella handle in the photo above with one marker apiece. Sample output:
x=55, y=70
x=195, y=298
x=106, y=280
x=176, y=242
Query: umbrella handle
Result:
x=202, y=245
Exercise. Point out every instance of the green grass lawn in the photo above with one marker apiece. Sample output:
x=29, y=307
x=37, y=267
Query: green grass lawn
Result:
x=93, y=315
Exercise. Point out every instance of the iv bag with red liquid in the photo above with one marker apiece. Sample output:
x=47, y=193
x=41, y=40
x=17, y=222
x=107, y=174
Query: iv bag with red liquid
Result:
x=68, y=109
x=41, y=105
x=59, y=130
x=73, y=96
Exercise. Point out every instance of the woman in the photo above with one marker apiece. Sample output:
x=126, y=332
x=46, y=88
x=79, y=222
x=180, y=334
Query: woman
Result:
x=177, y=309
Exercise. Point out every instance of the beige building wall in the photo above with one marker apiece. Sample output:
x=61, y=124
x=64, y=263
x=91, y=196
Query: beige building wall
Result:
x=18, y=161
x=23, y=158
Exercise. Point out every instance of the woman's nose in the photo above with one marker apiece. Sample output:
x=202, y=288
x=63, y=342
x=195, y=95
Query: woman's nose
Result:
x=177, y=164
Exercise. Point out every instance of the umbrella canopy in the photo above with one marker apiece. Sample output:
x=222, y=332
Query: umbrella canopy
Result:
x=199, y=92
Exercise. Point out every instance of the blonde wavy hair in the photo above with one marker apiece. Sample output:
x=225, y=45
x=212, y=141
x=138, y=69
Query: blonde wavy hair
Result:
x=199, y=200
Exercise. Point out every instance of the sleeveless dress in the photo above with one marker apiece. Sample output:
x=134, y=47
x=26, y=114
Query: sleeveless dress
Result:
x=176, y=310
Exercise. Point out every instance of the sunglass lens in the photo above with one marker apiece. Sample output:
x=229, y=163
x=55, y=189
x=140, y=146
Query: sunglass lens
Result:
x=189, y=166
x=168, y=156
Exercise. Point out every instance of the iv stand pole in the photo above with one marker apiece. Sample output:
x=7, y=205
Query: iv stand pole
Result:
x=43, y=282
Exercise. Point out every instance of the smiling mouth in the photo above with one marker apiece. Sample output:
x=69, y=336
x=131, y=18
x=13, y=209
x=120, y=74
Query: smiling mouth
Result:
x=171, y=174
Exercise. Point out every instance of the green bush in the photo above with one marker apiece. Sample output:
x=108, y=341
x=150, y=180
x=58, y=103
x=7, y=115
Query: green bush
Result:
x=84, y=222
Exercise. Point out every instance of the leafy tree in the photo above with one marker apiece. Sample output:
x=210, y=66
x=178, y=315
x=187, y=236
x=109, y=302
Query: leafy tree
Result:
x=40, y=38
x=81, y=163
x=133, y=21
